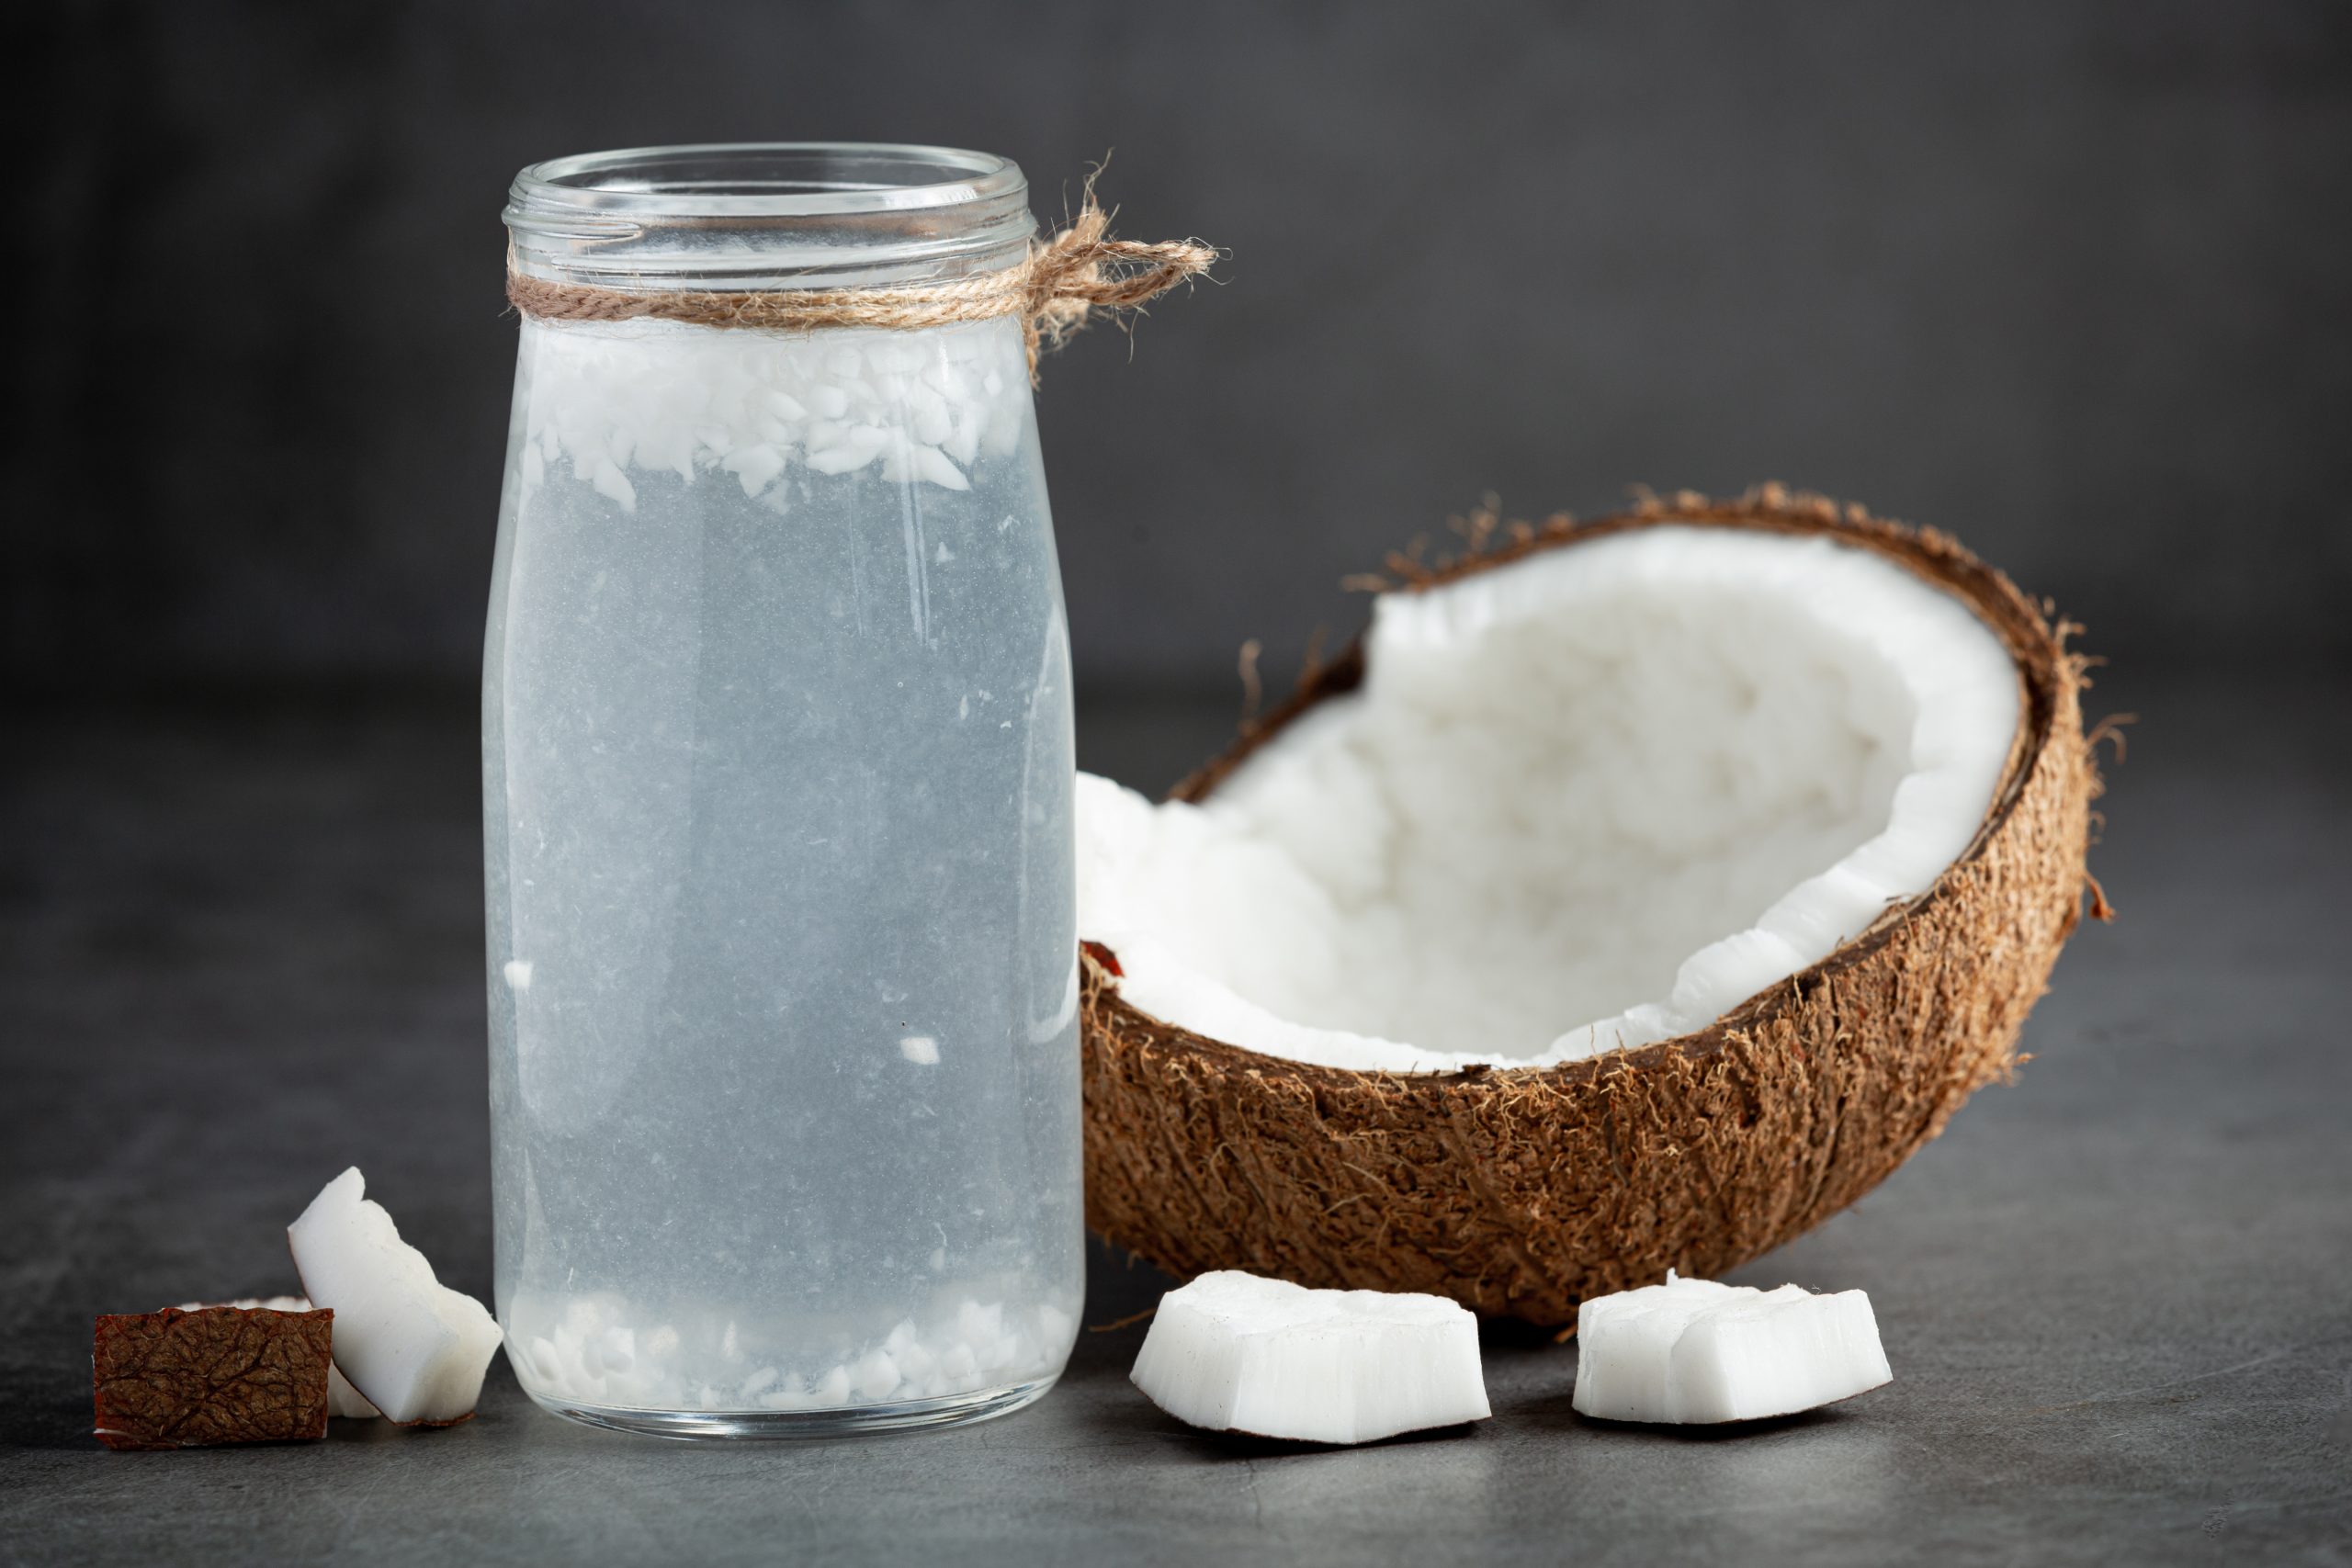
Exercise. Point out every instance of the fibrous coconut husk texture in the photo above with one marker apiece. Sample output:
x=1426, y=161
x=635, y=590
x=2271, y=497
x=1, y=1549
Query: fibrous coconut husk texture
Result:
x=1522, y=1191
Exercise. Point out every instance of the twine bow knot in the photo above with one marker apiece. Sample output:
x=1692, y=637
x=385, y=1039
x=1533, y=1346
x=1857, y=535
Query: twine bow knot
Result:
x=1056, y=290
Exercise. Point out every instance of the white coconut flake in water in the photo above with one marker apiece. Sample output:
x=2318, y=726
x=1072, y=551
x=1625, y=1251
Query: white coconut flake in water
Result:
x=597, y=1350
x=743, y=407
x=1592, y=799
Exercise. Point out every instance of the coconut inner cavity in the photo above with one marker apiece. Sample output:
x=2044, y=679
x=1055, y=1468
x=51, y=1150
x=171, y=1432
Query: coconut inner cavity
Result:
x=1594, y=798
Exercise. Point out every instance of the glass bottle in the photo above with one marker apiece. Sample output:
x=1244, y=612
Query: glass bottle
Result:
x=777, y=769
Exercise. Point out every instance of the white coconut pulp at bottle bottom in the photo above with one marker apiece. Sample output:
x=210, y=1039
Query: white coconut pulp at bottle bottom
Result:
x=777, y=773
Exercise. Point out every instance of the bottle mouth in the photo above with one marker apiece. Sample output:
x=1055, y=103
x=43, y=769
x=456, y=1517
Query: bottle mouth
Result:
x=768, y=215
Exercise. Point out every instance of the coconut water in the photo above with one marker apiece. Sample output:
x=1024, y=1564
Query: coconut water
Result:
x=777, y=770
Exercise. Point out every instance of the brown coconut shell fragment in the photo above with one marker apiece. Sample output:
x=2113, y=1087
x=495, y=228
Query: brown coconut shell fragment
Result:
x=1521, y=1193
x=176, y=1380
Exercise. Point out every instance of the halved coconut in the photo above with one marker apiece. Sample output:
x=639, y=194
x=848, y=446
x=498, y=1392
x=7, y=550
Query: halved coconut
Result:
x=1630, y=897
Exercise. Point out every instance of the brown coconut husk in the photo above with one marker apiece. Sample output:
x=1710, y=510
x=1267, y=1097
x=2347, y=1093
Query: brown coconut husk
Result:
x=1522, y=1192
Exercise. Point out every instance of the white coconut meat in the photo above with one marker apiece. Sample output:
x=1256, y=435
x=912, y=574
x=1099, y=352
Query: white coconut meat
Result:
x=1236, y=1353
x=415, y=1348
x=1590, y=799
x=343, y=1400
x=1694, y=1351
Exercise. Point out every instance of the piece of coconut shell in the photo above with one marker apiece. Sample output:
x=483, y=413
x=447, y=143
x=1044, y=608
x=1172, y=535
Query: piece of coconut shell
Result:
x=183, y=1380
x=1522, y=1192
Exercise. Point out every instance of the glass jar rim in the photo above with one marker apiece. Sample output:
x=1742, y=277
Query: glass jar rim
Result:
x=772, y=214
x=752, y=179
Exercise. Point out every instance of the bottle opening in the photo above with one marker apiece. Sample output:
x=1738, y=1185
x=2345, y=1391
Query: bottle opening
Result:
x=773, y=215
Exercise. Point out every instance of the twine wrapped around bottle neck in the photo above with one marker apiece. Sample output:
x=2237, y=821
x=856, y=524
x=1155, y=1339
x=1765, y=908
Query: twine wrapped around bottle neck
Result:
x=1063, y=281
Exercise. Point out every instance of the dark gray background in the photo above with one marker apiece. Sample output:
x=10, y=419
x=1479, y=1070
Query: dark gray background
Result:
x=2070, y=281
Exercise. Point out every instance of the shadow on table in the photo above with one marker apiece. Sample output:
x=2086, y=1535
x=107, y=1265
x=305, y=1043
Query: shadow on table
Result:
x=60, y=1424
x=1139, y=1417
x=1557, y=1413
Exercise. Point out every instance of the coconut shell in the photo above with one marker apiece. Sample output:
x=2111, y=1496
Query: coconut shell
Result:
x=179, y=1380
x=1522, y=1192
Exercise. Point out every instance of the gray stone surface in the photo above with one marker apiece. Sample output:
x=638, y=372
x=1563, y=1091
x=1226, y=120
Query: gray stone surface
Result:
x=239, y=949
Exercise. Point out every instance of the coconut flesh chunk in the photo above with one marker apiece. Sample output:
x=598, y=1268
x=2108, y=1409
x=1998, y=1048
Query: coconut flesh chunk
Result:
x=1236, y=1353
x=1693, y=1351
x=1592, y=799
x=343, y=1400
x=415, y=1348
